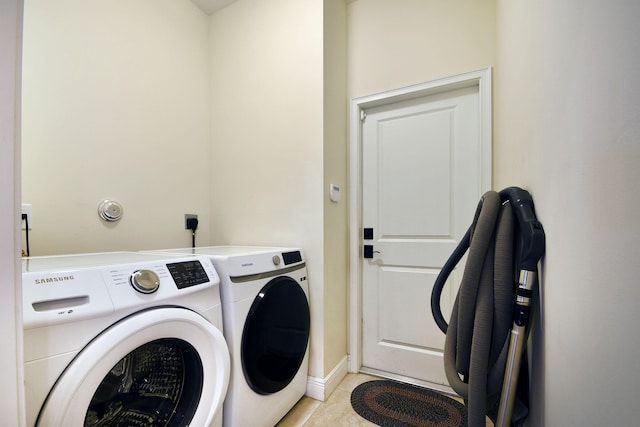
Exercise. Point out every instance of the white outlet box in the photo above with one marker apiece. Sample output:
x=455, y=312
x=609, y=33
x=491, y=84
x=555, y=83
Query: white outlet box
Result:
x=26, y=209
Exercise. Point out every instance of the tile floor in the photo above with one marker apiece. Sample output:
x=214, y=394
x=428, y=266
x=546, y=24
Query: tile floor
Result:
x=336, y=411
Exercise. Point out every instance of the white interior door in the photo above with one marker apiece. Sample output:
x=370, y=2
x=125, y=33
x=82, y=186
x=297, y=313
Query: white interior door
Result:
x=421, y=181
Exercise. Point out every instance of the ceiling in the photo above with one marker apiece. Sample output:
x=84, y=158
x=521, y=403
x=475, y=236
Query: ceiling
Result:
x=210, y=6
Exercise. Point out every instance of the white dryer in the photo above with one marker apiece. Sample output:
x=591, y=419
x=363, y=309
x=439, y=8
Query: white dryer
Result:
x=123, y=338
x=265, y=307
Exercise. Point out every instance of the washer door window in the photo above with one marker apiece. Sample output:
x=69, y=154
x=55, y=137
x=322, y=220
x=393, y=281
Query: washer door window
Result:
x=156, y=384
x=275, y=335
x=151, y=369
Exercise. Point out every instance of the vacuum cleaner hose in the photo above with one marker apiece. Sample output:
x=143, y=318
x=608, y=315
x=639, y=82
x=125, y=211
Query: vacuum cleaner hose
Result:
x=505, y=237
x=441, y=280
x=477, y=337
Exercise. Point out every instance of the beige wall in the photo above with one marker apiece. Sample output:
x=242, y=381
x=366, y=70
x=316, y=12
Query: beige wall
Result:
x=393, y=44
x=115, y=106
x=335, y=172
x=266, y=90
x=567, y=127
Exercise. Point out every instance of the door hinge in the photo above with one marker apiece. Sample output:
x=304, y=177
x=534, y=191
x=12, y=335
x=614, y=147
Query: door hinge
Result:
x=363, y=115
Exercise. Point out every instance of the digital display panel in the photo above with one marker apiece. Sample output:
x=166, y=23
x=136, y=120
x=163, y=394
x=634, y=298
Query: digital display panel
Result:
x=291, y=257
x=188, y=273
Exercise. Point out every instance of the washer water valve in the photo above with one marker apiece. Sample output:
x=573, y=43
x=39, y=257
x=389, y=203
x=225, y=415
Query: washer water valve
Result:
x=110, y=210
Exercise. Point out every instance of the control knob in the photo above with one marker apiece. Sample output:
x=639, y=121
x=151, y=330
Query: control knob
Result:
x=145, y=281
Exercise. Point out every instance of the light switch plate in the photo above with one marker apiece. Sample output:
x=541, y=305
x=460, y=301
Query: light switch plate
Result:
x=334, y=193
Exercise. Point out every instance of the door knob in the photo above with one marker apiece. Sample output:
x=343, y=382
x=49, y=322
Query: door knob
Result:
x=368, y=251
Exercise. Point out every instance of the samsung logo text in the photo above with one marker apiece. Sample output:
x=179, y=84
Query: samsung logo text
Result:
x=54, y=279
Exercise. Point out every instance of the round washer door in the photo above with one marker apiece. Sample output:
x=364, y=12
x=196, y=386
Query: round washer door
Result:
x=161, y=367
x=275, y=335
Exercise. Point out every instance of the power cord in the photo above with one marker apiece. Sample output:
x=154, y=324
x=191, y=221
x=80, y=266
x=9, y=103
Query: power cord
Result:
x=192, y=224
x=25, y=218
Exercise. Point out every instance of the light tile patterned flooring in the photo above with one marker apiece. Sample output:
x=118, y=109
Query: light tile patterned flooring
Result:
x=336, y=411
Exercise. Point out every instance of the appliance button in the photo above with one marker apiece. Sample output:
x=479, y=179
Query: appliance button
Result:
x=276, y=260
x=145, y=281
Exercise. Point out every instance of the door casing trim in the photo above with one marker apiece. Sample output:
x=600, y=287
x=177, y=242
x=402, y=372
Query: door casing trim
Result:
x=480, y=78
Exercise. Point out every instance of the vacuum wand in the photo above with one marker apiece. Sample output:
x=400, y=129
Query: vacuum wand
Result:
x=516, y=346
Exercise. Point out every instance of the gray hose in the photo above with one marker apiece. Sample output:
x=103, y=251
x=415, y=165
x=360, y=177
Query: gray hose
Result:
x=477, y=337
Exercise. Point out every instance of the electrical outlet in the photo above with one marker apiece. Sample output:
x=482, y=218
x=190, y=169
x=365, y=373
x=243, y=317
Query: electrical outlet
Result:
x=27, y=209
x=187, y=217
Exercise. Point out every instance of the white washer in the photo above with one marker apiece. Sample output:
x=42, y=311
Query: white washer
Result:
x=123, y=338
x=265, y=308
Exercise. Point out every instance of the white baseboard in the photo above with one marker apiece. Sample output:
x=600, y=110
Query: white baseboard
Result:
x=321, y=388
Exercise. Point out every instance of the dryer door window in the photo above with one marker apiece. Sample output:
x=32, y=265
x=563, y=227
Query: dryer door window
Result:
x=157, y=384
x=275, y=335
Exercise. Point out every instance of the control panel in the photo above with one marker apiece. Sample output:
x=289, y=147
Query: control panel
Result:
x=55, y=292
x=187, y=273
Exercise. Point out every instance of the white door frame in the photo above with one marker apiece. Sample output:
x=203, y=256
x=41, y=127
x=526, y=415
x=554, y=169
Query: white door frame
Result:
x=480, y=78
